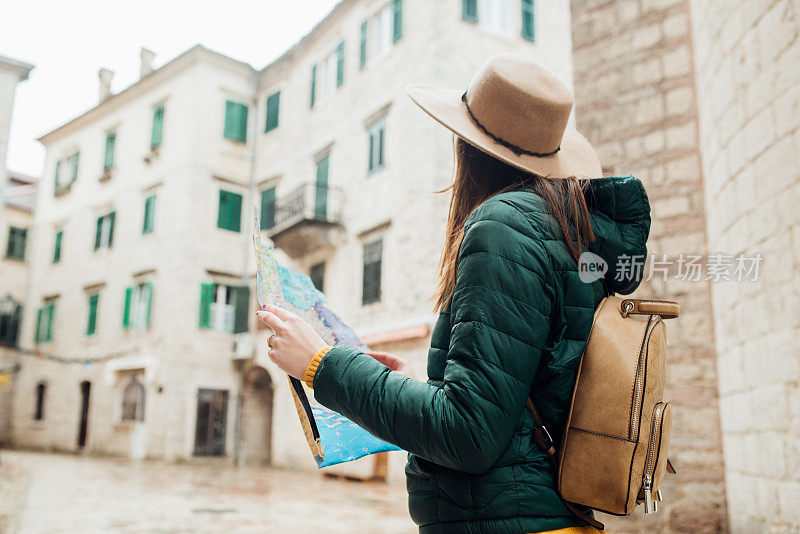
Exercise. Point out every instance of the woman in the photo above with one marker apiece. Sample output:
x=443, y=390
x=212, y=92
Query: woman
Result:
x=515, y=311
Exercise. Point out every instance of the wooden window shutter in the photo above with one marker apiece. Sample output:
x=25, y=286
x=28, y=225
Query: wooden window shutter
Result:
x=363, y=58
x=206, y=297
x=111, y=217
x=230, y=211
x=75, y=160
x=273, y=111
x=268, y=208
x=528, y=19
x=371, y=282
x=108, y=160
x=148, y=288
x=37, y=337
x=92, y=322
x=158, y=127
x=340, y=64
x=469, y=10
x=126, y=313
x=397, y=20
x=149, y=214
x=98, y=233
x=235, y=121
x=241, y=303
x=57, y=176
x=313, y=83
x=321, y=190
x=57, y=247
x=51, y=310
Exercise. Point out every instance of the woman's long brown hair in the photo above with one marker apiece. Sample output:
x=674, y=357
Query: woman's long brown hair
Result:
x=478, y=177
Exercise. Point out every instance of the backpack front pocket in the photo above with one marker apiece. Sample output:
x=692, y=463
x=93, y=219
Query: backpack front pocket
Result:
x=656, y=460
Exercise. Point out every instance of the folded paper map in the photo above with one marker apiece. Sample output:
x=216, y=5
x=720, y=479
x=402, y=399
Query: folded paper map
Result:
x=332, y=437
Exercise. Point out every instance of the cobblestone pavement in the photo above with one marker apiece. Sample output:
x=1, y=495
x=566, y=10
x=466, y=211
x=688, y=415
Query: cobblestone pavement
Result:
x=52, y=493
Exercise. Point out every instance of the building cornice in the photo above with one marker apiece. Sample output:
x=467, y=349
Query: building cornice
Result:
x=20, y=68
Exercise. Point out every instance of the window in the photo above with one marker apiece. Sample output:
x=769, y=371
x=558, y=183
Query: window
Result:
x=57, y=246
x=528, y=18
x=321, y=189
x=9, y=327
x=224, y=308
x=91, y=321
x=235, y=121
x=377, y=136
x=66, y=173
x=273, y=111
x=493, y=15
x=381, y=31
x=149, y=214
x=138, y=300
x=44, y=323
x=108, y=159
x=15, y=249
x=41, y=392
x=230, y=211
x=157, y=134
x=329, y=75
x=371, y=286
x=104, y=234
x=317, y=275
x=133, y=401
x=268, y=208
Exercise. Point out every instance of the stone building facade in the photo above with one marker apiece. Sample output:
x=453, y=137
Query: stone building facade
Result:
x=130, y=327
x=747, y=62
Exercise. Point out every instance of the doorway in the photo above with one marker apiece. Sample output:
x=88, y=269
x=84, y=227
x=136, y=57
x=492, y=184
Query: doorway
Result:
x=86, y=388
x=256, y=442
x=212, y=412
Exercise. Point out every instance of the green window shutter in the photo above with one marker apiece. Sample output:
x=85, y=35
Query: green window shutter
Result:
x=158, y=127
x=273, y=111
x=363, y=58
x=397, y=20
x=98, y=233
x=37, y=337
x=321, y=194
x=148, y=288
x=126, y=312
x=15, y=248
x=57, y=176
x=371, y=276
x=235, y=121
x=111, y=217
x=51, y=310
x=230, y=211
x=108, y=160
x=92, y=322
x=340, y=64
x=241, y=303
x=268, y=208
x=528, y=28
x=206, y=298
x=149, y=214
x=57, y=248
x=371, y=165
x=313, y=84
x=75, y=160
x=469, y=10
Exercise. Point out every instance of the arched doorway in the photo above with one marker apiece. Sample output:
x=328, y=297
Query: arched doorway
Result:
x=256, y=436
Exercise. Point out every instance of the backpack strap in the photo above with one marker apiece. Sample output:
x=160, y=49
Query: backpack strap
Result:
x=546, y=444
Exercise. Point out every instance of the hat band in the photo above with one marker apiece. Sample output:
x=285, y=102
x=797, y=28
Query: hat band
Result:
x=518, y=150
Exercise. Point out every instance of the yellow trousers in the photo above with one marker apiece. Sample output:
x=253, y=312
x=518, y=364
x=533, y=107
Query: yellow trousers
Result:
x=574, y=530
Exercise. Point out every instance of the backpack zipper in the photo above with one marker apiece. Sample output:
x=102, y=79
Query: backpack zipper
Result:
x=650, y=504
x=639, y=386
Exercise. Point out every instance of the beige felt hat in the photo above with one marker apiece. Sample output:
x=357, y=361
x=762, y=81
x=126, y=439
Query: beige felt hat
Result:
x=516, y=111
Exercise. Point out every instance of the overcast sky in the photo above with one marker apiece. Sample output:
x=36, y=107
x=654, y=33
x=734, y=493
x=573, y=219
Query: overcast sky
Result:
x=69, y=41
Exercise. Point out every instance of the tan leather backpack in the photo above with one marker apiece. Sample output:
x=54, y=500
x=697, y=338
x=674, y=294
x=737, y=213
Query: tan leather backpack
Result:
x=613, y=454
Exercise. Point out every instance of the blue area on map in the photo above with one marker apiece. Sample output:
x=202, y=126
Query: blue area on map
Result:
x=342, y=440
x=298, y=289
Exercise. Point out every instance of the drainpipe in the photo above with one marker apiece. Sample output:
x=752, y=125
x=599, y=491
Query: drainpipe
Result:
x=247, y=250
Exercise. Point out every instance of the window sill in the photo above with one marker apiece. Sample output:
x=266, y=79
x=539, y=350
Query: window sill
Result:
x=107, y=175
x=154, y=154
x=12, y=258
x=126, y=425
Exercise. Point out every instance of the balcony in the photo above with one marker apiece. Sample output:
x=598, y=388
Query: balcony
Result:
x=308, y=218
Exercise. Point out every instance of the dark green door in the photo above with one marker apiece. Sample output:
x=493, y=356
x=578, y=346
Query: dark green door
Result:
x=321, y=194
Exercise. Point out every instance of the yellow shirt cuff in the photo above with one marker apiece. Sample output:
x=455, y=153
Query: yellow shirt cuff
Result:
x=313, y=365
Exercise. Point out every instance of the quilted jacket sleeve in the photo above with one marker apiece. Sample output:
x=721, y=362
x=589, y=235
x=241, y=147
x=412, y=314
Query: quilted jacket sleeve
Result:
x=500, y=322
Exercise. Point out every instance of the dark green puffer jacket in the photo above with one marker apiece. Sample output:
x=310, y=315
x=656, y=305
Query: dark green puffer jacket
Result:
x=517, y=325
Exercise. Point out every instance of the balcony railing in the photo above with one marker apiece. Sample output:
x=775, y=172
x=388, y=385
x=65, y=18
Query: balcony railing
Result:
x=307, y=218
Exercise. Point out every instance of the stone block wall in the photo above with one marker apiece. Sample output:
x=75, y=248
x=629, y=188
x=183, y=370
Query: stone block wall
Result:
x=636, y=103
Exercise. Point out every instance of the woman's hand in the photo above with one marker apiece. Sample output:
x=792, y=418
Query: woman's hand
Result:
x=294, y=342
x=395, y=363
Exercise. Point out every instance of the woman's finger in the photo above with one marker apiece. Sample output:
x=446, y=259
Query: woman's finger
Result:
x=270, y=319
x=284, y=315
